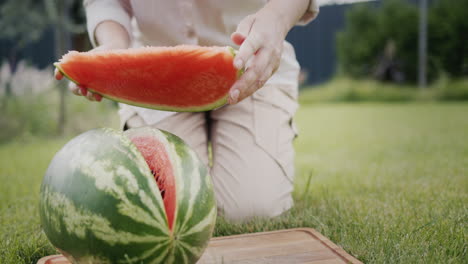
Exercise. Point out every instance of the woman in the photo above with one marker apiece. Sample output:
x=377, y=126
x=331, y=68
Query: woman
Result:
x=251, y=138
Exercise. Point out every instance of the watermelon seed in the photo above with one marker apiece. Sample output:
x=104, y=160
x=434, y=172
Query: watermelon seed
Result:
x=160, y=183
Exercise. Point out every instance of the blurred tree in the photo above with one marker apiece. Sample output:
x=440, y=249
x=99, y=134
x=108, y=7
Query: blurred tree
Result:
x=448, y=36
x=24, y=21
x=360, y=42
x=59, y=14
x=369, y=29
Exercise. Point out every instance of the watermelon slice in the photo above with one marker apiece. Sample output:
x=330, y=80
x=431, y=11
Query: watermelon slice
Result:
x=181, y=78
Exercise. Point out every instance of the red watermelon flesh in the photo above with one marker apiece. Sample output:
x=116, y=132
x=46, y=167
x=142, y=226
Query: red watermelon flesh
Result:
x=181, y=78
x=159, y=163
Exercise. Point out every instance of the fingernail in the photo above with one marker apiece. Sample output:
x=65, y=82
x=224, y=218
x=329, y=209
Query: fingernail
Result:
x=58, y=75
x=98, y=97
x=83, y=91
x=238, y=63
x=234, y=96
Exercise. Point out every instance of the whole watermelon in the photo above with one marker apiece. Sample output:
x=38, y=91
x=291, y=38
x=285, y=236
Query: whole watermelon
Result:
x=140, y=196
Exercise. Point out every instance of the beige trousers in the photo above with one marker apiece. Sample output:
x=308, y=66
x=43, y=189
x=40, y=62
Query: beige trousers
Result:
x=253, y=156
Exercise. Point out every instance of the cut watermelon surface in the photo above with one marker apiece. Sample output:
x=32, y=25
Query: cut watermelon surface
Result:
x=181, y=78
x=159, y=162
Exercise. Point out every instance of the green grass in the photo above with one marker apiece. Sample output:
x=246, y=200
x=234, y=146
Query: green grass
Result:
x=22, y=165
x=33, y=115
x=342, y=89
x=388, y=182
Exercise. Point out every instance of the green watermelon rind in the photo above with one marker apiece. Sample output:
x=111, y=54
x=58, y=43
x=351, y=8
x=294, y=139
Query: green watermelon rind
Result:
x=216, y=104
x=85, y=232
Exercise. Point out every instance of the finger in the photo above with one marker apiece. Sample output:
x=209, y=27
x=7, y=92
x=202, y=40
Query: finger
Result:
x=58, y=74
x=98, y=97
x=267, y=71
x=251, y=79
x=83, y=90
x=250, y=46
x=272, y=66
x=90, y=96
x=237, y=92
x=237, y=38
x=74, y=88
x=258, y=84
x=243, y=30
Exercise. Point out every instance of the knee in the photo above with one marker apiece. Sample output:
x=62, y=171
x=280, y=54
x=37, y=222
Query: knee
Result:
x=255, y=205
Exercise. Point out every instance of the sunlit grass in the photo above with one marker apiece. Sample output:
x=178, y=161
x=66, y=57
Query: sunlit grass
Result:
x=342, y=89
x=388, y=182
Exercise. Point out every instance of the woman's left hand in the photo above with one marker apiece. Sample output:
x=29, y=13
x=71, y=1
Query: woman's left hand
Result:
x=261, y=37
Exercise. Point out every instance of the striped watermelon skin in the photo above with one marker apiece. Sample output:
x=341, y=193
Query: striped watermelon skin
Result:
x=100, y=203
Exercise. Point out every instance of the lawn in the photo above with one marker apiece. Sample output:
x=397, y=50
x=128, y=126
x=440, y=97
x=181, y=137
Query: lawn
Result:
x=387, y=182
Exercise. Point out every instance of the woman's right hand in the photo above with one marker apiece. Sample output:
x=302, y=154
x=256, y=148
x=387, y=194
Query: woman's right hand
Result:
x=81, y=90
x=109, y=35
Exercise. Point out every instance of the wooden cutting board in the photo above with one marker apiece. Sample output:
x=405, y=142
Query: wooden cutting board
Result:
x=301, y=245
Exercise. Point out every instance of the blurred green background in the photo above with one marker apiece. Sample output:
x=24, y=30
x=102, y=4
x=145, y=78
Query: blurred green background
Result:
x=356, y=50
x=382, y=152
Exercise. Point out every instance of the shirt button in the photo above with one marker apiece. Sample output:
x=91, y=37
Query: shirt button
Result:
x=191, y=32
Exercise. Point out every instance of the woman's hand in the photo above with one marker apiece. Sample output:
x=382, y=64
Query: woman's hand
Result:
x=81, y=90
x=261, y=37
x=77, y=89
x=110, y=35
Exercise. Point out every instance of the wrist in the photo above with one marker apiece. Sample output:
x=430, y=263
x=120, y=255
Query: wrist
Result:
x=289, y=12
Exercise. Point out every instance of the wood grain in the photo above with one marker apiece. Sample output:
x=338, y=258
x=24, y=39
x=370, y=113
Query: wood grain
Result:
x=300, y=245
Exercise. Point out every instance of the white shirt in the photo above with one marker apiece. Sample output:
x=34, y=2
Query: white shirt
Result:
x=196, y=22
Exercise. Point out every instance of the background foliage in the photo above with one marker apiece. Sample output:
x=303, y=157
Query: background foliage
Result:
x=345, y=89
x=369, y=28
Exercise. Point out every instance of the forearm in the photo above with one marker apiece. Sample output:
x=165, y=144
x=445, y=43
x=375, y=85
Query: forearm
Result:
x=112, y=34
x=287, y=12
x=108, y=35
